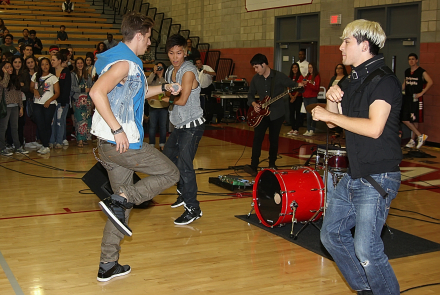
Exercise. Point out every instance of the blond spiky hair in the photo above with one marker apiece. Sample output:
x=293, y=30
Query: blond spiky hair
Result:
x=362, y=30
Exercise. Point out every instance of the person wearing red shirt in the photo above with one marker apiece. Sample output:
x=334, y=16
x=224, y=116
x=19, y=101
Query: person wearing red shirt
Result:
x=310, y=95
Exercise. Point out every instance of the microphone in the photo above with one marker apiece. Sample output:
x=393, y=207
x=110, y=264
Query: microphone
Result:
x=175, y=87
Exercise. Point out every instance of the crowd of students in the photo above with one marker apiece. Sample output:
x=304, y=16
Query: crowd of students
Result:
x=44, y=91
x=47, y=91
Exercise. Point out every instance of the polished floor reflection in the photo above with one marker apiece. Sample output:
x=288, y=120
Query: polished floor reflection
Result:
x=51, y=229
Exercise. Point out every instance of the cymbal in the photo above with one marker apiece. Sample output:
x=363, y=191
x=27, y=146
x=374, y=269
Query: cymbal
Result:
x=310, y=107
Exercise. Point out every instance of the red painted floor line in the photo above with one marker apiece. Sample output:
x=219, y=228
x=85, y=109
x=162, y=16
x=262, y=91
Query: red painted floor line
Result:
x=68, y=211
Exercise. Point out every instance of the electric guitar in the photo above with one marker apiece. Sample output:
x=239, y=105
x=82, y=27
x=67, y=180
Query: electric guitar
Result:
x=254, y=118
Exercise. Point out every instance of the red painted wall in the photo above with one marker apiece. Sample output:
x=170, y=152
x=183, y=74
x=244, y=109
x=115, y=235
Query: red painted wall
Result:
x=429, y=59
x=242, y=58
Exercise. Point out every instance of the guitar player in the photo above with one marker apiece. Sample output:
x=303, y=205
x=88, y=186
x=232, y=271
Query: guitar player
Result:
x=267, y=82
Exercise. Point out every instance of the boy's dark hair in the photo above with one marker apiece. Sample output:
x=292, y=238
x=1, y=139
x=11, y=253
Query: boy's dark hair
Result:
x=8, y=55
x=196, y=59
x=302, y=50
x=62, y=26
x=133, y=23
x=32, y=32
x=63, y=55
x=25, y=30
x=414, y=55
x=175, y=40
x=259, y=59
x=9, y=35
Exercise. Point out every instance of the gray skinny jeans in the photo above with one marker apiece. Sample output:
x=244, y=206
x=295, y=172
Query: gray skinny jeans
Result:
x=120, y=167
x=12, y=117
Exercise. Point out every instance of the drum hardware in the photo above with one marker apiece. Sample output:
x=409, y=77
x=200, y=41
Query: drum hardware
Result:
x=322, y=208
x=274, y=194
x=274, y=199
x=314, y=153
x=310, y=221
x=293, y=206
x=252, y=209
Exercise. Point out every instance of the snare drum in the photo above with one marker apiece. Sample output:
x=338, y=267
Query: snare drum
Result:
x=337, y=158
x=274, y=192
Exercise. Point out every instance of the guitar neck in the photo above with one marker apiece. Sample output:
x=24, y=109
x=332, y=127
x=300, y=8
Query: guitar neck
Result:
x=274, y=99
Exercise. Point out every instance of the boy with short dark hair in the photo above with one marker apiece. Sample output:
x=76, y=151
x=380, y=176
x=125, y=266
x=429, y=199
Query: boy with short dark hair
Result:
x=62, y=34
x=119, y=96
x=187, y=117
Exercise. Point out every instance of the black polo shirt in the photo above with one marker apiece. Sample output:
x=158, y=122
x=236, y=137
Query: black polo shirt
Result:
x=262, y=87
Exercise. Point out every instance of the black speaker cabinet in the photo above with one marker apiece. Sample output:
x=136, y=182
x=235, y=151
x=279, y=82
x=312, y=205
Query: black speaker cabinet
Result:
x=97, y=180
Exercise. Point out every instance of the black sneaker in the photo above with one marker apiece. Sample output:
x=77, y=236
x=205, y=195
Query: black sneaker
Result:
x=251, y=170
x=188, y=216
x=114, y=207
x=116, y=271
x=179, y=202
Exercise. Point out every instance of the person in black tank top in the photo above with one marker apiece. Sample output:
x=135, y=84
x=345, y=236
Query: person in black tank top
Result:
x=412, y=108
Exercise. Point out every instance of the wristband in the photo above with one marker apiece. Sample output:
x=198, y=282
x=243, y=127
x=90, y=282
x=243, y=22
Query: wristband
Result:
x=163, y=88
x=120, y=130
x=171, y=101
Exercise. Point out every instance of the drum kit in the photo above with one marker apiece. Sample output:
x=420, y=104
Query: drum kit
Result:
x=298, y=194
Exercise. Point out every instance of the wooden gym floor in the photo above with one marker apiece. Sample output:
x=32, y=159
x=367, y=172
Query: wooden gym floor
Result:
x=51, y=233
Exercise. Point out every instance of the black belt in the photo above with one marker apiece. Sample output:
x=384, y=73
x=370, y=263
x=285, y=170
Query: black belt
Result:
x=374, y=183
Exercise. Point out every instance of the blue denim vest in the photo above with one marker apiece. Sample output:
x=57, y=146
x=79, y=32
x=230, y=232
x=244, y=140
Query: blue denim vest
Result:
x=126, y=101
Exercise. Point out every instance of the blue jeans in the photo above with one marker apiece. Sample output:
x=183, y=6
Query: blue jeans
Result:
x=158, y=118
x=311, y=124
x=181, y=149
x=59, y=124
x=361, y=259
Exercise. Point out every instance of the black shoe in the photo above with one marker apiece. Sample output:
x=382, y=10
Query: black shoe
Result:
x=188, y=216
x=114, y=207
x=365, y=292
x=179, y=202
x=116, y=271
x=250, y=170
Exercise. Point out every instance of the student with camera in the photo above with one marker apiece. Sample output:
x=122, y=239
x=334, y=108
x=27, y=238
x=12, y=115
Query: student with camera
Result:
x=158, y=110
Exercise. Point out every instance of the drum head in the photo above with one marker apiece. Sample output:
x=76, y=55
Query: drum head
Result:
x=268, y=193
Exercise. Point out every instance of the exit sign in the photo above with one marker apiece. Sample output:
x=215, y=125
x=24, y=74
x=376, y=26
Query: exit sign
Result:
x=335, y=19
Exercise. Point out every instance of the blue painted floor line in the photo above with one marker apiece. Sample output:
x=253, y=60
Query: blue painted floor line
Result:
x=15, y=286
